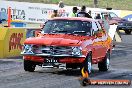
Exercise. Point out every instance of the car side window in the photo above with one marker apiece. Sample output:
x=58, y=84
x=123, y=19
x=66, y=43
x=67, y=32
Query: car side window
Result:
x=103, y=13
x=112, y=15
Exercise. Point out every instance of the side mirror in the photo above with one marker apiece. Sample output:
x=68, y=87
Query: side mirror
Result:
x=99, y=34
x=42, y=26
x=37, y=32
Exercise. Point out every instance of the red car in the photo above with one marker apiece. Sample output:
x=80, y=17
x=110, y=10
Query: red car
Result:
x=77, y=42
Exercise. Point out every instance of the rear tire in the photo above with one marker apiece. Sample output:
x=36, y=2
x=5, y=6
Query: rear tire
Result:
x=104, y=65
x=29, y=66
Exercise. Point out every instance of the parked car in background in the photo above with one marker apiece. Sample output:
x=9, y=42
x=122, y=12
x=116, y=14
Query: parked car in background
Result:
x=123, y=24
x=126, y=26
x=77, y=42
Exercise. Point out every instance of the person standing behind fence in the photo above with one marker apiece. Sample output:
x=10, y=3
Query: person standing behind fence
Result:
x=106, y=22
x=55, y=14
x=98, y=16
x=74, y=12
x=83, y=13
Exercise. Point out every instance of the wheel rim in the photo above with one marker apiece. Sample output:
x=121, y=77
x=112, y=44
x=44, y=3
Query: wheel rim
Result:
x=108, y=62
x=89, y=65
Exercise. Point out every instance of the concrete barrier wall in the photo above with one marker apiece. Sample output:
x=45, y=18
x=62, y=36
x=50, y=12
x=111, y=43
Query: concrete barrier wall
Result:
x=3, y=32
x=11, y=40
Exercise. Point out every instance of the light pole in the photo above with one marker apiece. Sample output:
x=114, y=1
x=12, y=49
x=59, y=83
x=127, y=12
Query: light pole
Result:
x=107, y=3
x=95, y=3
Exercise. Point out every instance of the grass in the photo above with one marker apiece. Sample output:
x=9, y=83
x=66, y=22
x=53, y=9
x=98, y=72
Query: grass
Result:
x=115, y=4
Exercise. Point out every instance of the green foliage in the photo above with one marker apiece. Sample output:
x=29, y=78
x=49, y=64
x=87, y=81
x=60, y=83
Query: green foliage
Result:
x=115, y=4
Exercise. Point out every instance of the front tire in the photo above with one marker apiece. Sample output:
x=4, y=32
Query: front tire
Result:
x=88, y=63
x=29, y=66
x=128, y=32
x=104, y=65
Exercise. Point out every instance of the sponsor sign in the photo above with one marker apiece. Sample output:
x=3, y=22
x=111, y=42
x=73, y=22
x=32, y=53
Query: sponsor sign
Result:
x=15, y=41
x=39, y=13
x=11, y=41
x=28, y=12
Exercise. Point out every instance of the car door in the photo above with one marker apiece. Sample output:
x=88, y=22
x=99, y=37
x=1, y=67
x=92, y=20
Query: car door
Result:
x=102, y=40
x=96, y=45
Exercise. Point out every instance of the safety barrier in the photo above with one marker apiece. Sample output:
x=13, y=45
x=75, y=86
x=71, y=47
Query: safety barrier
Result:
x=11, y=40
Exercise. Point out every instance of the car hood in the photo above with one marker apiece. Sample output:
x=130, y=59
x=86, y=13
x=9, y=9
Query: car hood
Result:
x=118, y=19
x=57, y=39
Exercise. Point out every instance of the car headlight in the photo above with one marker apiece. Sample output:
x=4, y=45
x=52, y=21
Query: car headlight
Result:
x=76, y=51
x=27, y=49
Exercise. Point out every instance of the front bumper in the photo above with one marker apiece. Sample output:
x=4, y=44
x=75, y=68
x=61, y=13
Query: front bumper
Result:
x=52, y=55
x=40, y=59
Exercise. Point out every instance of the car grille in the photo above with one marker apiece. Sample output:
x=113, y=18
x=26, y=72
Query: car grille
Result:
x=56, y=50
x=128, y=24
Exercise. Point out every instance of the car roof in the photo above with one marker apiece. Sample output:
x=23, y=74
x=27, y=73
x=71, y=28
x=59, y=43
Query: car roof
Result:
x=73, y=18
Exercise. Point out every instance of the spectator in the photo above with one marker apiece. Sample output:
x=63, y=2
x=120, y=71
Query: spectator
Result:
x=83, y=13
x=98, y=16
x=74, y=12
x=117, y=37
x=106, y=22
x=55, y=14
x=89, y=12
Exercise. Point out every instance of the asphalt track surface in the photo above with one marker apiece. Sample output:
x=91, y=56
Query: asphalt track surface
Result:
x=12, y=74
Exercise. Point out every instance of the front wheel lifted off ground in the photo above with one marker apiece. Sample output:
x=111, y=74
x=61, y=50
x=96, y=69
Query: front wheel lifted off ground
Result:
x=104, y=65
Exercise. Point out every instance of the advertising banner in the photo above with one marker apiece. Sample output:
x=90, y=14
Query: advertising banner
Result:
x=39, y=13
x=28, y=12
x=11, y=41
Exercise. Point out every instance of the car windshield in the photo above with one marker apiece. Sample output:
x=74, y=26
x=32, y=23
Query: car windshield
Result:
x=111, y=14
x=67, y=27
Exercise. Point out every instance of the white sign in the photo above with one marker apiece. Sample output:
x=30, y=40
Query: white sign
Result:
x=28, y=12
x=112, y=31
x=37, y=12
